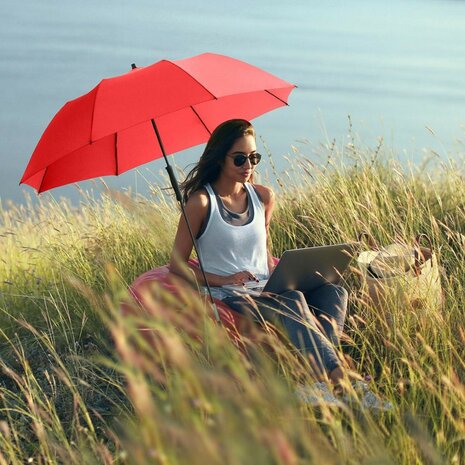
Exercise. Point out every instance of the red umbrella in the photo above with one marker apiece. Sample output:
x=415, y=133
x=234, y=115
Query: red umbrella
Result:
x=147, y=113
x=111, y=129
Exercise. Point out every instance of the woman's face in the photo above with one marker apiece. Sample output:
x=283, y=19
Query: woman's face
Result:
x=243, y=146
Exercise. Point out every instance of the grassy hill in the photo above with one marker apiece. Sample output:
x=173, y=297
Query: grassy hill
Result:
x=80, y=383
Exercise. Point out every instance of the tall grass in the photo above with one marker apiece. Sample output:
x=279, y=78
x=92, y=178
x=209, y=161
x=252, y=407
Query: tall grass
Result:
x=81, y=383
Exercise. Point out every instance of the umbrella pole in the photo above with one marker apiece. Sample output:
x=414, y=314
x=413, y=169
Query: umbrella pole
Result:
x=175, y=185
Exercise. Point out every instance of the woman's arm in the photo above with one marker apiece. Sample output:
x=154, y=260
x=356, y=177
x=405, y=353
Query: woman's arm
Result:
x=196, y=211
x=268, y=198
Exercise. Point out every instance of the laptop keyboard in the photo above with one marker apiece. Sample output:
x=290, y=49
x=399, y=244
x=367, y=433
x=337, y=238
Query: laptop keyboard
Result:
x=248, y=286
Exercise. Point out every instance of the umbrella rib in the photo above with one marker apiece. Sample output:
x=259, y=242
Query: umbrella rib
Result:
x=192, y=77
x=116, y=154
x=93, y=113
x=42, y=181
x=280, y=99
x=201, y=120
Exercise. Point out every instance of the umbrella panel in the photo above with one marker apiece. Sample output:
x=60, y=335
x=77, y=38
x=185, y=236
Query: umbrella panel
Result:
x=83, y=164
x=142, y=94
x=64, y=134
x=247, y=106
x=223, y=75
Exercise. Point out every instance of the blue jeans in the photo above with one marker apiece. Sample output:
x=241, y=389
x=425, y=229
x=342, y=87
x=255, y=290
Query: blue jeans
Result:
x=313, y=321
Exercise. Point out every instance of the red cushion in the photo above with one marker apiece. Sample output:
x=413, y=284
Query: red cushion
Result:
x=232, y=320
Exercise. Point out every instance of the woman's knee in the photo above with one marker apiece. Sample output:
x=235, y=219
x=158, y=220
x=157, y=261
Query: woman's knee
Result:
x=293, y=294
x=295, y=301
x=340, y=300
x=342, y=294
x=336, y=294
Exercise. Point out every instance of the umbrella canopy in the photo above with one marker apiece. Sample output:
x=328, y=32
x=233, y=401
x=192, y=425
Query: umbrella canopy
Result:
x=111, y=129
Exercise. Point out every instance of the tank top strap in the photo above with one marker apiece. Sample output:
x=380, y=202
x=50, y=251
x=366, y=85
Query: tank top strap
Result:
x=209, y=189
x=253, y=196
x=212, y=196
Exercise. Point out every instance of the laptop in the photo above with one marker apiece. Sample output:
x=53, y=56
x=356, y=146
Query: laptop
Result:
x=303, y=269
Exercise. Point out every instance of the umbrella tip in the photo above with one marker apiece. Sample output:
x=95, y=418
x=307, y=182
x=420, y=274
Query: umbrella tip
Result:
x=133, y=66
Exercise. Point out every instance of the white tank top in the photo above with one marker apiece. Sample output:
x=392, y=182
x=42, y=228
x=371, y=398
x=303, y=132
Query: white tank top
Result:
x=226, y=249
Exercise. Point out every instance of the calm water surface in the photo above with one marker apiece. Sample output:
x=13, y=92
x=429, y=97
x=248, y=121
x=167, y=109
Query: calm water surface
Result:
x=395, y=67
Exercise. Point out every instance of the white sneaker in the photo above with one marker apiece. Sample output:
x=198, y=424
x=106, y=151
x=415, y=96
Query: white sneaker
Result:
x=317, y=394
x=368, y=399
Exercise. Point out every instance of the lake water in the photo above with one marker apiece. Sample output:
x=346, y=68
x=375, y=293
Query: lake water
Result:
x=396, y=67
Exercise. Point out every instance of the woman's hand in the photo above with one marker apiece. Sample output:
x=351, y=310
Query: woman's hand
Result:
x=240, y=278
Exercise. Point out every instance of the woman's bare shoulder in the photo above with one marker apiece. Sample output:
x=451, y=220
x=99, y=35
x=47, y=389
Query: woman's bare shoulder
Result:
x=266, y=193
x=198, y=201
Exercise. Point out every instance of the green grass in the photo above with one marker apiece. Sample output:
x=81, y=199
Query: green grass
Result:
x=80, y=383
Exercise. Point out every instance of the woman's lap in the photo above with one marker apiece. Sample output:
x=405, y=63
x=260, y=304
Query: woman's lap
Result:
x=310, y=330
x=327, y=303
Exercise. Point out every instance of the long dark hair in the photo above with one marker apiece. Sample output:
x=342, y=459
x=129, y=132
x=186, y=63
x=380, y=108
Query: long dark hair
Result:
x=211, y=161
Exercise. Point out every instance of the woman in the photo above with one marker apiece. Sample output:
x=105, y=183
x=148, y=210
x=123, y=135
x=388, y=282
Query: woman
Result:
x=230, y=216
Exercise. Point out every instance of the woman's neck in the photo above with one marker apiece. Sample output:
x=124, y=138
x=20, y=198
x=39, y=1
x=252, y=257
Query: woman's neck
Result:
x=225, y=188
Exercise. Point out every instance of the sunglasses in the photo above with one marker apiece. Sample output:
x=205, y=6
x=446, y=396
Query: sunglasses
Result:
x=240, y=158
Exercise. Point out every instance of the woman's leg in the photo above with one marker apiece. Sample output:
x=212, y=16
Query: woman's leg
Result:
x=291, y=311
x=329, y=304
